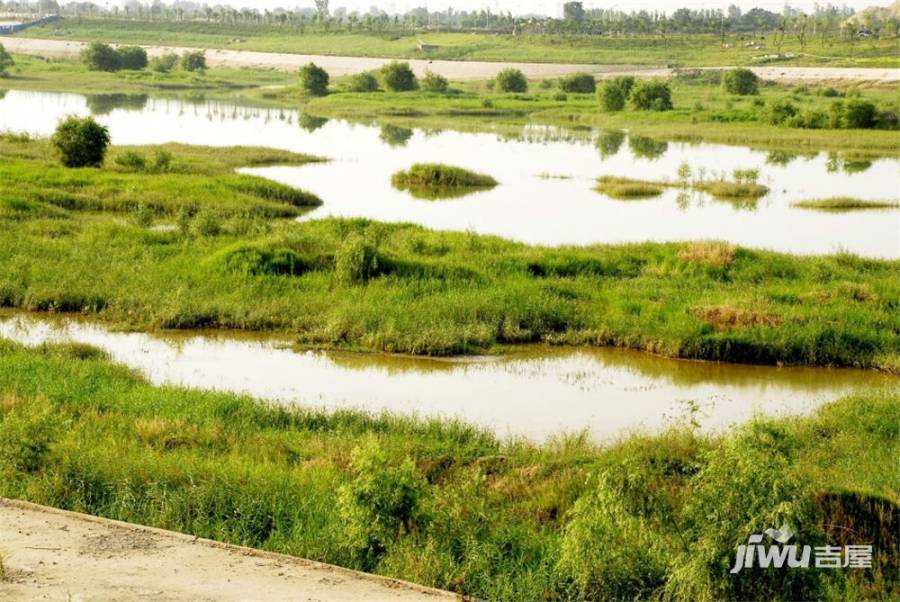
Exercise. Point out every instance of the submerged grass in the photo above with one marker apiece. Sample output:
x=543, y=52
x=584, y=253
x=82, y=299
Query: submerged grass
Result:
x=448, y=505
x=840, y=204
x=435, y=181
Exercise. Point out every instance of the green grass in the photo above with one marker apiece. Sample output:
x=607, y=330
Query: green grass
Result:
x=627, y=188
x=436, y=181
x=448, y=505
x=401, y=288
x=841, y=204
x=678, y=50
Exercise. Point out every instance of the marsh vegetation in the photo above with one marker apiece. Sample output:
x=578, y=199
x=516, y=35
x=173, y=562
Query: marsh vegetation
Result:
x=841, y=204
x=436, y=181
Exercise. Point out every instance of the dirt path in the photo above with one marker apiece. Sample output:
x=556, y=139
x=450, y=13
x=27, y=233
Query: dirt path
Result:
x=54, y=555
x=455, y=70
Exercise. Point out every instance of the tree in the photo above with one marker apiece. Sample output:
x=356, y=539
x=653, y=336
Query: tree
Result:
x=512, y=80
x=165, y=63
x=314, y=80
x=615, y=92
x=740, y=81
x=101, y=57
x=398, y=77
x=6, y=61
x=322, y=8
x=573, y=11
x=81, y=142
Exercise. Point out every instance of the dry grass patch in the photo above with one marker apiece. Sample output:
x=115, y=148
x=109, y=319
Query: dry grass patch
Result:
x=722, y=317
x=710, y=253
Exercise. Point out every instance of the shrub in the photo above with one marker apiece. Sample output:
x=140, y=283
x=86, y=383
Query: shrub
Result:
x=314, y=80
x=859, y=114
x=433, y=82
x=578, y=83
x=512, y=80
x=363, y=82
x=6, y=61
x=381, y=502
x=27, y=433
x=162, y=160
x=781, y=111
x=740, y=81
x=398, y=77
x=133, y=58
x=165, y=63
x=355, y=260
x=614, y=93
x=81, y=142
x=193, y=61
x=132, y=161
x=101, y=57
x=652, y=96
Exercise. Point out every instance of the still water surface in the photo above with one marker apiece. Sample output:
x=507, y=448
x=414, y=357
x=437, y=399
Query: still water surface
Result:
x=528, y=205
x=535, y=394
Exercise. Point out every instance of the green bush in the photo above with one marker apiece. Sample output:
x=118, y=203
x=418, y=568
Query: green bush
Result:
x=165, y=63
x=132, y=161
x=258, y=260
x=578, y=83
x=207, y=224
x=652, y=96
x=193, y=61
x=859, y=114
x=6, y=61
x=314, y=80
x=740, y=81
x=355, y=260
x=433, y=82
x=398, y=77
x=133, y=58
x=781, y=112
x=101, y=57
x=614, y=93
x=512, y=80
x=381, y=503
x=27, y=433
x=81, y=142
x=363, y=82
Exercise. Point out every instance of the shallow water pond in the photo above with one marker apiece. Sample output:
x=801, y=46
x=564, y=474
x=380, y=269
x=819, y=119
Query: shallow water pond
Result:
x=546, y=175
x=535, y=394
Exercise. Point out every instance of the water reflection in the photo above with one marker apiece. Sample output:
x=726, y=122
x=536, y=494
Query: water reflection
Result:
x=535, y=394
x=526, y=207
x=104, y=104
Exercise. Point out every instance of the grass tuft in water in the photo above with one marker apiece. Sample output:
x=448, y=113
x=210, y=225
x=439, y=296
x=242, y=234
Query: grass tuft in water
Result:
x=434, y=180
x=841, y=204
x=628, y=189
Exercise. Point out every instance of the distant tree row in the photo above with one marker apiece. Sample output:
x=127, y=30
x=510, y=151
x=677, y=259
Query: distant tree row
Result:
x=103, y=57
x=825, y=21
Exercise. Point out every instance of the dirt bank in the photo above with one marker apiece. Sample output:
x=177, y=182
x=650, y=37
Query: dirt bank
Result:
x=455, y=70
x=54, y=555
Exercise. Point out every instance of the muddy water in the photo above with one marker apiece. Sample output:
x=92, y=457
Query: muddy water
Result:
x=535, y=394
x=546, y=175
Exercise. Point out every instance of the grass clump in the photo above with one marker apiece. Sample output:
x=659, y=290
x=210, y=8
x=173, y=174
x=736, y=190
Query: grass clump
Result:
x=842, y=204
x=434, y=180
x=627, y=188
x=447, y=505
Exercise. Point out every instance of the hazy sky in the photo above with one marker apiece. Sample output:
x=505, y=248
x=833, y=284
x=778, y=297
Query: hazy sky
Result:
x=552, y=7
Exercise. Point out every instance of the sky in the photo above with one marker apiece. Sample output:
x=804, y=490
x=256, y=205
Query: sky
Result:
x=549, y=7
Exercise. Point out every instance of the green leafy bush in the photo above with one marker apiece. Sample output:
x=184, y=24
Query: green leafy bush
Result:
x=81, y=142
x=363, y=82
x=381, y=503
x=614, y=93
x=165, y=63
x=781, y=112
x=434, y=82
x=101, y=57
x=133, y=58
x=193, y=61
x=314, y=80
x=6, y=61
x=859, y=114
x=652, y=96
x=512, y=80
x=740, y=81
x=132, y=161
x=578, y=83
x=398, y=77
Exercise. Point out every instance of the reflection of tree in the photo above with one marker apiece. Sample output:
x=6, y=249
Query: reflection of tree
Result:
x=647, y=148
x=104, y=104
x=311, y=123
x=395, y=136
x=609, y=143
x=856, y=166
x=850, y=166
x=780, y=158
x=3, y=94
